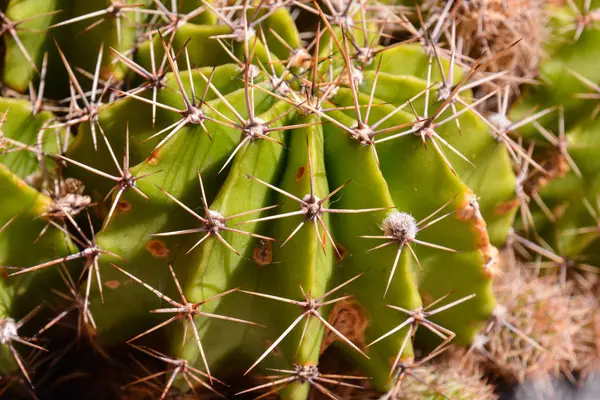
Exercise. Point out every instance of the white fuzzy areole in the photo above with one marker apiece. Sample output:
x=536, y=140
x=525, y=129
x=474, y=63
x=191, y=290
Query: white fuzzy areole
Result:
x=400, y=225
x=216, y=218
x=306, y=372
x=307, y=198
x=500, y=121
x=364, y=134
x=500, y=312
x=256, y=129
x=8, y=330
x=215, y=214
x=253, y=71
x=479, y=341
x=311, y=209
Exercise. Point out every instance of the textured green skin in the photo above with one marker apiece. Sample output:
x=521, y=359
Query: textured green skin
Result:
x=195, y=151
x=303, y=262
x=17, y=71
x=20, y=294
x=492, y=179
x=20, y=125
x=212, y=54
x=396, y=158
x=359, y=165
x=410, y=178
x=17, y=247
x=81, y=48
x=205, y=275
x=559, y=86
x=565, y=193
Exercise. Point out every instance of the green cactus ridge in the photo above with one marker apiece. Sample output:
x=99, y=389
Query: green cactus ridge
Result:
x=230, y=191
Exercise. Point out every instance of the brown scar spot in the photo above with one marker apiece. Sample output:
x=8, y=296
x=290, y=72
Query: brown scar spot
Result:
x=153, y=158
x=341, y=253
x=124, y=206
x=106, y=73
x=114, y=284
x=506, y=206
x=300, y=173
x=426, y=297
x=350, y=319
x=263, y=253
x=157, y=248
x=492, y=263
x=468, y=210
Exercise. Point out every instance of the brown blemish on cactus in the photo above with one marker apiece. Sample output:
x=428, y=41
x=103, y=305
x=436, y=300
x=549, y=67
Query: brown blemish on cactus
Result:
x=157, y=248
x=300, y=173
x=426, y=297
x=153, y=157
x=350, y=319
x=341, y=253
x=263, y=253
x=113, y=284
x=506, y=206
x=21, y=183
x=107, y=72
x=468, y=210
x=492, y=262
x=124, y=206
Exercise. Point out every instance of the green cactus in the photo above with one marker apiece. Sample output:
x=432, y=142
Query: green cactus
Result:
x=250, y=187
x=564, y=212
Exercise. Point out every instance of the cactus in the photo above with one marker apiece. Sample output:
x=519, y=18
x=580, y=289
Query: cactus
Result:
x=565, y=209
x=230, y=191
